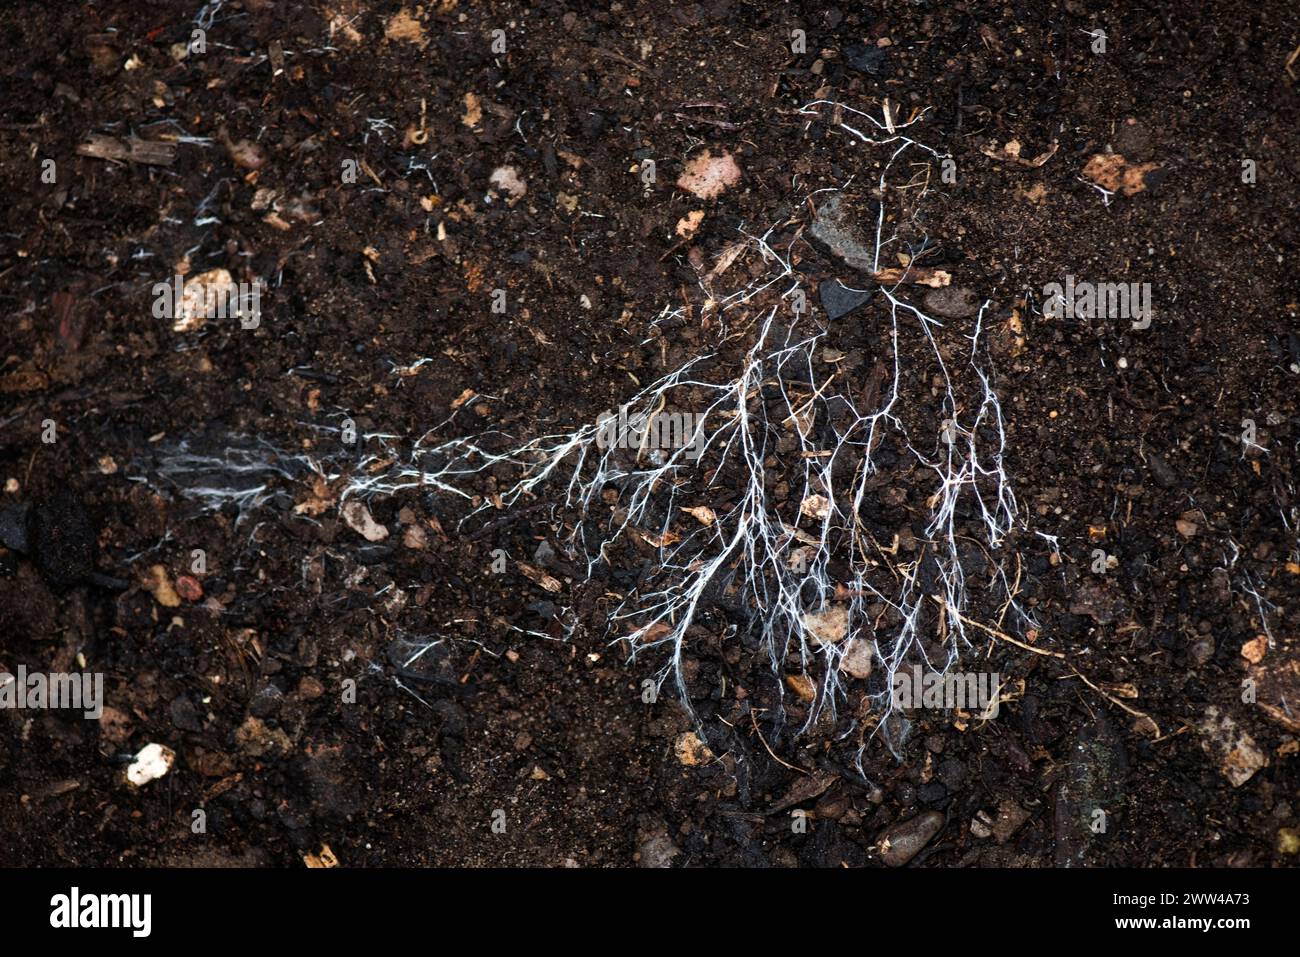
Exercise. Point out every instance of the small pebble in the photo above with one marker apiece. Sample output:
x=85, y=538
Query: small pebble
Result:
x=904, y=840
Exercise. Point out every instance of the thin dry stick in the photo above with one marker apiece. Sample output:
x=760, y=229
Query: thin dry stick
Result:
x=1050, y=654
x=1015, y=590
x=999, y=634
x=786, y=764
x=1116, y=701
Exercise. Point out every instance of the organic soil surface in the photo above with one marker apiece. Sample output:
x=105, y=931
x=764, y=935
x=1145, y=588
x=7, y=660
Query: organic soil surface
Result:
x=494, y=222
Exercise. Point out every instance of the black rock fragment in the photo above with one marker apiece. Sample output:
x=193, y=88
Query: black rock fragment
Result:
x=838, y=300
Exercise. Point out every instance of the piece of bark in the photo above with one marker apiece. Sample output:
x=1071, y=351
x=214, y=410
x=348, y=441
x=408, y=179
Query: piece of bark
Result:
x=149, y=152
x=919, y=276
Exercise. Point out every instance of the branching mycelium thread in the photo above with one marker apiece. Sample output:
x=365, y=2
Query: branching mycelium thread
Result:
x=803, y=565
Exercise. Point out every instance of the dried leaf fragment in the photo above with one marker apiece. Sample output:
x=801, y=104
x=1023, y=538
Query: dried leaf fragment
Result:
x=660, y=540
x=324, y=859
x=1010, y=153
x=403, y=26
x=690, y=223
x=473, y=110
x=548, y=582
x=1112, y=172
x=728, y=256
x=1255, y=649
x=815, y=506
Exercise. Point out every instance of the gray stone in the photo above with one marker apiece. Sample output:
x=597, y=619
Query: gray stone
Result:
x=952, y=302
x=903, y=841
x=837, y=228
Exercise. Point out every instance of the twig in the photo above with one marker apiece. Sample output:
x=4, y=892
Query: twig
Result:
x=1115, y=701
x=784, y=764
x=627, y=61
x=998, y=634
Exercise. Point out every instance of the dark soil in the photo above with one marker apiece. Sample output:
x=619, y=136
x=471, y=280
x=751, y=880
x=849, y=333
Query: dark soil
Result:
x=378, y=309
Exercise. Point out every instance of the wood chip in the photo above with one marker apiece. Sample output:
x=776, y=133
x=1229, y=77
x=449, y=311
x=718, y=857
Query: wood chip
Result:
x=325, y=858
x=857, y=659
x=934, y=278
x=702, y=514
x=159, y=585
x=473, y=110
x=549, y=582
x=690, y=223
x=148, y=152
x=815, y=506
x=802, y=686
x=662, y=540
